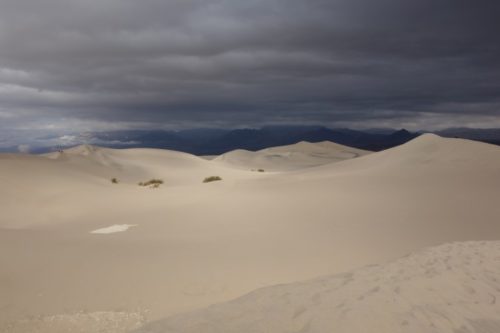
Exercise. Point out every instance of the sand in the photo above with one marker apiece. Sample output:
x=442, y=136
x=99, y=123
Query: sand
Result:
x=292, y=157
x=451, y=288
x=195, y=244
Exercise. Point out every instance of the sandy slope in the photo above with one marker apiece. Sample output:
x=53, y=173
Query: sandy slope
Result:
x=63, y=185
x=195, y=244
x=451, y=288
x=291, y=157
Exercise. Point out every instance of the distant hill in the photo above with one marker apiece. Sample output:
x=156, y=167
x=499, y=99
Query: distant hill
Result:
x=219, y=141
x=489, y=135
x=210, y=141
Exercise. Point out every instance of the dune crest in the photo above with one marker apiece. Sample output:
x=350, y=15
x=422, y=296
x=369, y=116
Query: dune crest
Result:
x=291, y=157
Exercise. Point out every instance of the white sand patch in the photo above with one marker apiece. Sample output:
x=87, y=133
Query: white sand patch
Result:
x=114, y=228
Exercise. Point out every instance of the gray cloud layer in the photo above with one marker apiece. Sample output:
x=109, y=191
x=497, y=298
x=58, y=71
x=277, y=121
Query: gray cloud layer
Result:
x=105, y=64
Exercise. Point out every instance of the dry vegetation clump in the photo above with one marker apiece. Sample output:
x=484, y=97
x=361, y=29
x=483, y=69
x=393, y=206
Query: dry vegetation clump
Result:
x=152, y=183
x=114, y=180
x=211, y=179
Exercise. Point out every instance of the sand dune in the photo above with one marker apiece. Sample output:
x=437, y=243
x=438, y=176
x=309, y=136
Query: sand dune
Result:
x=63, y=185
x=452, y=288
x=194, y=244
x=291, y=157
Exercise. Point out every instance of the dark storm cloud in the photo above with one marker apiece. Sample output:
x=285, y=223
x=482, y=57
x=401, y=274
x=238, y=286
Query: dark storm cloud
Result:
x=107, y=64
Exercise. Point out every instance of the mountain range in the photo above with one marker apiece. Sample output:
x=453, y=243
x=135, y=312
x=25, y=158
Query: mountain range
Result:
x=210, y=141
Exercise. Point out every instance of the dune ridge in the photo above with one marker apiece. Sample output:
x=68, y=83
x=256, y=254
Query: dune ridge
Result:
x=291, y=157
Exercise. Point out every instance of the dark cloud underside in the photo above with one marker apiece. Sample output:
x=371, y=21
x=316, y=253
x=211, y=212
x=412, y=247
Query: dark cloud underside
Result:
x=104, y=64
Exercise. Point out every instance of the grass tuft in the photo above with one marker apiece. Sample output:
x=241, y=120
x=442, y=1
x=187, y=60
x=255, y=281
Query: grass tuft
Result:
x=153, y=183
x=211, y=179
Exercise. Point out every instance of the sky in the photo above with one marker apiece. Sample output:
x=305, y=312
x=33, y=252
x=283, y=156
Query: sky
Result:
x=69, y=66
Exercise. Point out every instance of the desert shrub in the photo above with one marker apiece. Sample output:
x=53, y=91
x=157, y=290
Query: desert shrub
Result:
x=155, y=183
x=211, y=179
x=260, y=170
x=114, y=180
